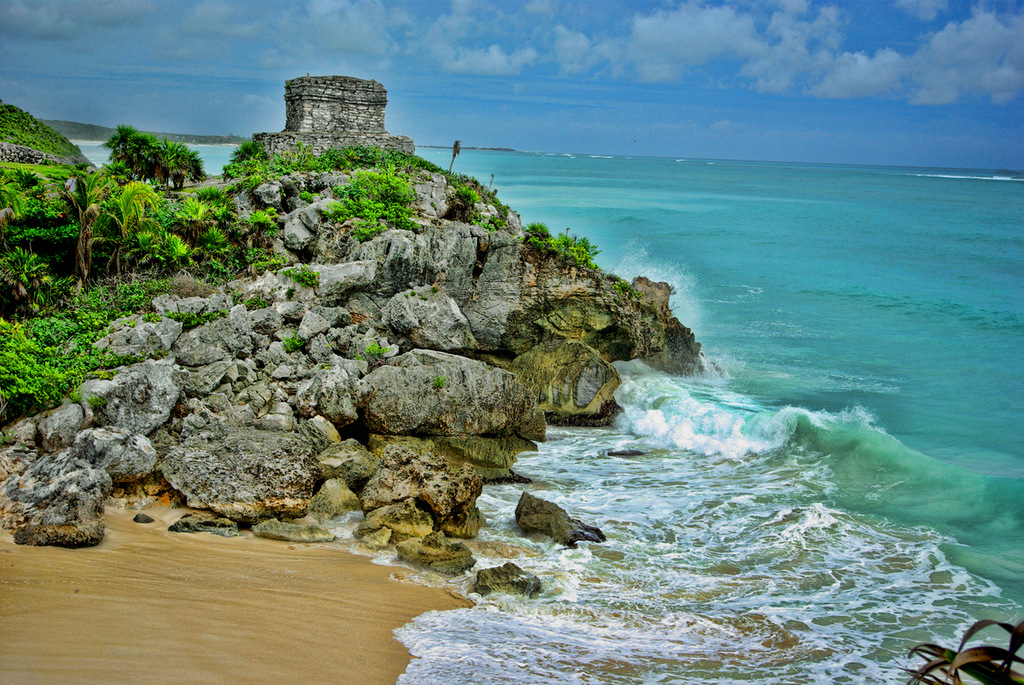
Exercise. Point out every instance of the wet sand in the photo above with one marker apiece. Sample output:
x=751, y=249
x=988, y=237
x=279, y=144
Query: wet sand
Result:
x=148, y=606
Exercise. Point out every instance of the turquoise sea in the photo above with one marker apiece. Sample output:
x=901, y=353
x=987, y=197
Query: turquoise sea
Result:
x=850, y=485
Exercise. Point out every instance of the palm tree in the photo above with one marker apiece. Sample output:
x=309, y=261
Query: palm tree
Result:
x=25, y=274
x=84, y=196
x=456, y=149
x=136, y=149
x=128, y=215
x=195, y=217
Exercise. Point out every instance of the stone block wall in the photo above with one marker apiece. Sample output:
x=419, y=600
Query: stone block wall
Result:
x=334, y=104
x=333, y=112
x=9, y=152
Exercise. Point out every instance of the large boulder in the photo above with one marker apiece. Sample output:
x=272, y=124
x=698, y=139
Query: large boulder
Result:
x=221, y=339
x=534, y=515
x=290, y=532
x=573, y=384
x=136, y=336
x=507, y=578
x=348, y=461
x=426, y=317
x=333, y=499
x=138, y=399
x=246, y=475
x=124, y=456
x=58, y=427
x=57, y=501
x=338, y=280
x=402, y=520
x=448, y=492
x=330, y=393
x=434, y=393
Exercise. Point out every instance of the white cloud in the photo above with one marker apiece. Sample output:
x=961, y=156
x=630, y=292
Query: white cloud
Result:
x=983, y=55
x=64, y=19
x=573, y=51
x=258, y=102
x=855, y=74
x=540, y=7
x=493, y=61
x=665, y=43
x=926, y=10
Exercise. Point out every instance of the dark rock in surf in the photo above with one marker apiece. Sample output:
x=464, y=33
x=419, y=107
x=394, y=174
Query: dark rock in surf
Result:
x=535, y=515
x=509, y=579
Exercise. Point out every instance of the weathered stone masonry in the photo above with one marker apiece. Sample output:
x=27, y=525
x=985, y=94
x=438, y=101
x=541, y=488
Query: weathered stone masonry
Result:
x=325, y=112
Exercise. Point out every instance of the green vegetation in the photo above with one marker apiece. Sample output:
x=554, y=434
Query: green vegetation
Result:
x=439, y=382
x=189, y=320
x=21, y=128
x=986, y=664
x=144, y=158
x=374, y=354
x=303, y=275
x=575, y=250
x=97, y=402
x=292, y=344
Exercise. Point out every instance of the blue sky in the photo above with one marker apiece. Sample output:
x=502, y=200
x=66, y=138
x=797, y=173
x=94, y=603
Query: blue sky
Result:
x=915, y=82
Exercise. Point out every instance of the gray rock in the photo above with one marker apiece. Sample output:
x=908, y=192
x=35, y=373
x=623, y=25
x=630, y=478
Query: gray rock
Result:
x=428, y=319
x=337, y=280
x=202, y=380
x=139, y=398
x=431, y=195
x=15, y=459
x=291, y=311
x=133, y=335
x=143, y=518
x=290, y=532
x=297, y=235
x=205, y=522
x=57, y=501
x=248, y=475
x=405, y=260
x=434, y=393
x=268, y=194
x=572, y=383
x=319, y=433
x=124, y=456
x=507, y=578
x=58, y=427
x=535, y=515
x=312, y=324
x=331, y=393
x=448, y=492
x=222, y=339
x=333, y=499
x=437, y=553
x=167, y=304
x=267, y=320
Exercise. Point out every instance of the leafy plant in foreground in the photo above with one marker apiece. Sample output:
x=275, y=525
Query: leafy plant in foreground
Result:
x=988, y=665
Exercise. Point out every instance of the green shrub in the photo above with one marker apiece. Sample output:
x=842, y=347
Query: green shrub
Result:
x=307, y=196
x=97, y=402
x=378, y=201
x=439, y=382
x=374, y=353
x=256, y=303
x=303, y=275
x=189, y=320
x=576, y=250
x=292, y=344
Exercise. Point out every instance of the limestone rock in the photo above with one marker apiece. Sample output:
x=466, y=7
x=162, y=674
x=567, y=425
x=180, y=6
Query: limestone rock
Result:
x=15, y=459
x=490, y=457
x=168, y=304
x=507, y=578
x=290, y=532
x=449, y=493
x=57, y=501
x=333, y=499
x=247, y=475
x=431, y=194
x=134, y=335
x=143, y=518
x=573, y=384
x=139, y=398
x=535, y=515
x=348, y=461
x=205, y=522
x=331, y=393
x=58, y=427
x=437, y=553
x=337, y=280
x=471, y=398
x=124, y=456
x=429, y=319
x=221, y=339
x=404, y=519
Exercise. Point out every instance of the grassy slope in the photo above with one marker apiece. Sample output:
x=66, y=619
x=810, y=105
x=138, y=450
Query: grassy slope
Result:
x=21, y=128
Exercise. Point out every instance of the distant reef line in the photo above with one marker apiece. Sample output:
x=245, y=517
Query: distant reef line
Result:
x=90, y=132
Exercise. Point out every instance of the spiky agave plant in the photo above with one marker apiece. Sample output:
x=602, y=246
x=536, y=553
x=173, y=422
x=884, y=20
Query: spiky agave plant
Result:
x=986, y=664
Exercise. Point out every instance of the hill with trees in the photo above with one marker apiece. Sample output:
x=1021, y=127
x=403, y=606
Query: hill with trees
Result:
x=21, y=128
x=79, y=131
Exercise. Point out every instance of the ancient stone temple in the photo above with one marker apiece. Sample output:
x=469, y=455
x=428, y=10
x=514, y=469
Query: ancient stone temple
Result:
x=324, y=112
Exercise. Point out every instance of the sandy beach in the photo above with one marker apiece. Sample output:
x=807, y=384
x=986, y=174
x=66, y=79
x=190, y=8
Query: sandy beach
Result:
x=149, y=606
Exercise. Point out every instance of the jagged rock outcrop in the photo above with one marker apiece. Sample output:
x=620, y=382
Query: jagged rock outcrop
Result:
x=574, y=385
x=138, y=399
x=57, y=501
x=432, y=484
x=273, y=529
x=124, y=456
x=246, y=475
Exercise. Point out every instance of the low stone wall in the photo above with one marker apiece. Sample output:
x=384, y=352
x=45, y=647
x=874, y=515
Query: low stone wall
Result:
x=276, y=143
x=9, y=152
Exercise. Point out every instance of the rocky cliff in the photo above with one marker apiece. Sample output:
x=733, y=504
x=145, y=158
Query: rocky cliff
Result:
x=389, y=374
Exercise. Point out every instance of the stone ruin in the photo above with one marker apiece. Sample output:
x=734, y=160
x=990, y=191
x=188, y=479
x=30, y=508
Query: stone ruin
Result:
x=325, y=112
